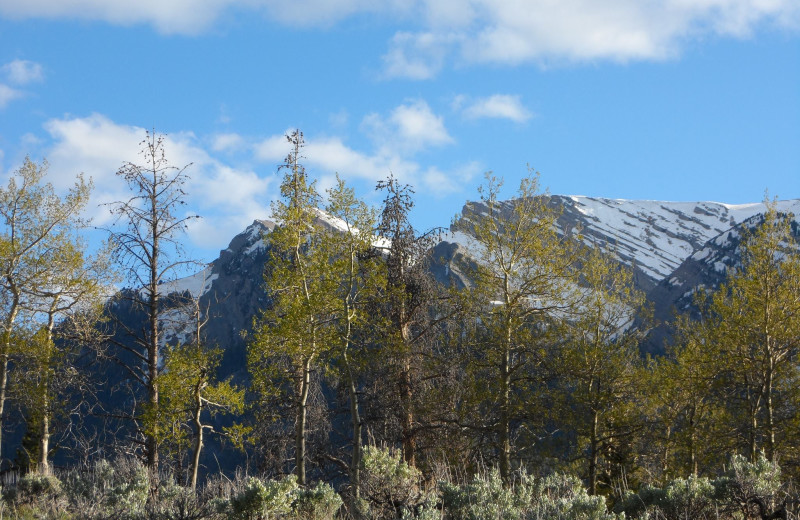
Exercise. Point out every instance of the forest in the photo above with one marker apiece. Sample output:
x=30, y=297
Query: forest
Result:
x=372, y=389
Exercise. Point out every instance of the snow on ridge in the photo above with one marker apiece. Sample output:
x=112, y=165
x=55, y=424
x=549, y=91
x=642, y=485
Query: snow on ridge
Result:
x=197, y=284
x=661, y=234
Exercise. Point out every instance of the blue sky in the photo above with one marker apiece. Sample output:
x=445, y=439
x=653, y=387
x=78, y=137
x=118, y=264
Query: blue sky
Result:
x=660, y=99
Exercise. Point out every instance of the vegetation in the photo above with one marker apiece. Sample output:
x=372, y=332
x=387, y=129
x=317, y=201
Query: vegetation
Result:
x=374, y=390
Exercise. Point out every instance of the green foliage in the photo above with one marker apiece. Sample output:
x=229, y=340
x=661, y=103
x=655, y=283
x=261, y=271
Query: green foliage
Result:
x=554, y=497
x=34, y=488
x=747, y=488
x=264, y=499
x=320, y=502
x=118, y=489
x=388, y=485
x=599, y=365
x=524, y=280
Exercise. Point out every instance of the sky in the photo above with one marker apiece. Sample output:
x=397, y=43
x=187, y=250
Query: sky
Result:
x=682, y=100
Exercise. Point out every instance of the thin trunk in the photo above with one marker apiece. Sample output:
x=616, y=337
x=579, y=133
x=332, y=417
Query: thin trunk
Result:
x=355, y=462
x=6, y=353
x=770, y=451
x=753, y=430
x=152, y=346
x=505, y=413
x=300, y=425
x=692, y=441
x=406, y=398
x=198, y=432
x=593, y=455
x=44, y=430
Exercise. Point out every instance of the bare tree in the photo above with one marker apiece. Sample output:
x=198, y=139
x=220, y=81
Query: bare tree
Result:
x=148, y=247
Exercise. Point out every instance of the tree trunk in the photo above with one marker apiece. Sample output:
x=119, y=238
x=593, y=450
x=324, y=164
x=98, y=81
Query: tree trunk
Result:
x=5, y=354
x=770, y=426
x=593, y=449
x=198, y=432
x=505, y=412
x=300, y=425
x=692, y=442
x=44, y=431
x=152, y=347
x=406, y=397
x=355, y=463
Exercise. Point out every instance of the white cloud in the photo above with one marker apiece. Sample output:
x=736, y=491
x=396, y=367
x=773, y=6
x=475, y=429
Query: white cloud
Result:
x=227, y=142
x=23, y=72
x=411, y=127
x=417, y=56
x=512, y=32
x=8, y=94
x=471, y=31
x=498, y=106
x=396, y=138
x=227, y=198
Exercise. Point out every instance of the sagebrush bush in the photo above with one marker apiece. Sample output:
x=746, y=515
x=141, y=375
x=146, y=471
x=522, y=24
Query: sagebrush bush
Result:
x=321, y=502
x=388, y=485
x=556, y=497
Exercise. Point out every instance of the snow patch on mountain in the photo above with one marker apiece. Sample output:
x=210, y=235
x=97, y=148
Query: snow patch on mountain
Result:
x=196, y=285
x=658, y=236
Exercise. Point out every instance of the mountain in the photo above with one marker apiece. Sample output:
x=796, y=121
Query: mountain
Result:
x=673, y=247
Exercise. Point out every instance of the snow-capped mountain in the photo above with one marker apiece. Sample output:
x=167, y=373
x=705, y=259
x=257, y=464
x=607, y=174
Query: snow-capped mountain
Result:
x=653, y=236
x=673, y=246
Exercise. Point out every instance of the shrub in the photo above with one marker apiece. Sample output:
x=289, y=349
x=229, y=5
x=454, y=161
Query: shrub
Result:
x=389, y=486
x=263, y=499
x=119, y=490
x=554, y=497
x=318, y=503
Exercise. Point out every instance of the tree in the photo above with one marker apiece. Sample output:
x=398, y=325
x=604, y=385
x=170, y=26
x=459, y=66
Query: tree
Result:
x=37, y=229
x=360, y=273
x=599, y=362
x=294, y=332
x=188, y=388
x=148, y=247
x=73, y=289
x=409, y=292
x=524, y=277
x=754, y=318
x=688, y=395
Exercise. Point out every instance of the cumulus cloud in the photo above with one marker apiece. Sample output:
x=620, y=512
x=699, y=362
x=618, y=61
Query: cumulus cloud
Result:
x=498, y=106
x=23, y=72
x=396, y=137
x=541, y=31
x=411, y=127
x=227, y=198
